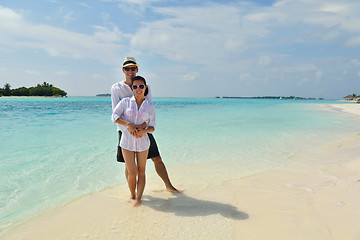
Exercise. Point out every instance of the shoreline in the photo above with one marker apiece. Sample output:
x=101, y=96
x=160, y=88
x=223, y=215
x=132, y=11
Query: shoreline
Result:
x=315, y=197
x=353, y=108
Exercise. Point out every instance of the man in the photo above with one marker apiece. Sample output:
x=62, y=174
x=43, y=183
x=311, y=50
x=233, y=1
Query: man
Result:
x=122, y=90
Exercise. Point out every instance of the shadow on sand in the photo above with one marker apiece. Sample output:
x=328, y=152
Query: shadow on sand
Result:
x=182, y=205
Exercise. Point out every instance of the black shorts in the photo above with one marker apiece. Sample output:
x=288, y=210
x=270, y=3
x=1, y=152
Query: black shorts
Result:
x=153, y=150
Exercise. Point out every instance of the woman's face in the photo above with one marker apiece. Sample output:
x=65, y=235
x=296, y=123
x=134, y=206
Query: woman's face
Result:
x=138, y=87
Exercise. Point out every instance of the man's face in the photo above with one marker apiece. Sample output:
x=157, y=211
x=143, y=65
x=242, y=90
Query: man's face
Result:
x=130, y=71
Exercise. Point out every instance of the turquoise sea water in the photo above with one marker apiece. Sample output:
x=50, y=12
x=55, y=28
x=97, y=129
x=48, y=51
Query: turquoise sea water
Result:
x=54, y=150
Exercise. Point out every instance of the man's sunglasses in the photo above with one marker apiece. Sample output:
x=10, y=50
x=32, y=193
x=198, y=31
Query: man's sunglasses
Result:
x=130, y=68
x=141, y=86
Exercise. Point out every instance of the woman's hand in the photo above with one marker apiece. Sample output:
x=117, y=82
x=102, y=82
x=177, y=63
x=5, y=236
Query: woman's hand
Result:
x=141, y=132
x=145, y=131
x=133, y=129
x=138, y=131
x=142, y=126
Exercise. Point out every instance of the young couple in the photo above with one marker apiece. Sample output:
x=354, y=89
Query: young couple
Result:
x=134, y=114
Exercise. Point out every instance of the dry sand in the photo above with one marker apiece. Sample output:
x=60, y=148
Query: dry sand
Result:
x=316, y=197
x=353, y=108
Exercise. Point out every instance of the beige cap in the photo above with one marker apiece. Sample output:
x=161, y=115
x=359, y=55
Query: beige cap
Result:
x=128, y=61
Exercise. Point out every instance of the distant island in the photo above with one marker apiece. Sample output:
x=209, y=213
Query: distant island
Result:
x=45, y=90
x=103, y=95
x=275, y=97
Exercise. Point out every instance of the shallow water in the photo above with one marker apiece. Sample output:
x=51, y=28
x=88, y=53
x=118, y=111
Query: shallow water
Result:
x=54, y=150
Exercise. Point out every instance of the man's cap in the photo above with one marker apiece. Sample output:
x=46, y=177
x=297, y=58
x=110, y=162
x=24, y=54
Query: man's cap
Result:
x=128, y=61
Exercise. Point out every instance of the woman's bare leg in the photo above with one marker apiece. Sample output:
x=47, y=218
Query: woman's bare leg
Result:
x=131, y=169
x=141, y=158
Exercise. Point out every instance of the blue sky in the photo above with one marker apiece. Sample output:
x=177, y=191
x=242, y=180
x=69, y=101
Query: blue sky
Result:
x=184, y=48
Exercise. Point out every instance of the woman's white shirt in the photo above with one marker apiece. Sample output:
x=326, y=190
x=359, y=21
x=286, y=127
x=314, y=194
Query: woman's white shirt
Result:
x=127, y=110
x=121, y=90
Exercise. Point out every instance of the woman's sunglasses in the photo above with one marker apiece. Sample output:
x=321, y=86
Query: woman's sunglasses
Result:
x=141, y=86
x=130, y=68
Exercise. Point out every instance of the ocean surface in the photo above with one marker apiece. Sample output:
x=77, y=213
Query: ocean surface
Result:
x=54, y=150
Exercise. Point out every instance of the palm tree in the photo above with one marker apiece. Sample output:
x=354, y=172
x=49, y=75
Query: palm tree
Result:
x=7, y=89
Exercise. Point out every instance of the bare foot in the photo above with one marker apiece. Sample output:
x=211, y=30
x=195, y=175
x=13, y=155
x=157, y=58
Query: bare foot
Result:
x=132, y=198
x=137, y=203
x=173, y=190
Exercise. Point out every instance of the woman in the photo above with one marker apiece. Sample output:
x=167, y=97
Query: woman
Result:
x=134, y=111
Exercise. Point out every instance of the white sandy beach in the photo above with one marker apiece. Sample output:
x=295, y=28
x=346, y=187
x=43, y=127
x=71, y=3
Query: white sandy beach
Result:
x=316, y=197
x=349, y=108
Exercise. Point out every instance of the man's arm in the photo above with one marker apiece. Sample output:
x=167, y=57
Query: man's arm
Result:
x=149, y=96
x=115, y=98
x=146, y=130
x=131, y=127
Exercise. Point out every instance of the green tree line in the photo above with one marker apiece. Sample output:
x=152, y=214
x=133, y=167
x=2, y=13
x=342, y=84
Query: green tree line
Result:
x=44, y=89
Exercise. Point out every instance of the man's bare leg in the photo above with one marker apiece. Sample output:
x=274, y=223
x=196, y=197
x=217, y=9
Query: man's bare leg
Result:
x=162, y=172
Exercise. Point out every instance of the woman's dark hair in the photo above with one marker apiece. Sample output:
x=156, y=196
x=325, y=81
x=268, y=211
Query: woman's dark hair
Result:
x=143, y=80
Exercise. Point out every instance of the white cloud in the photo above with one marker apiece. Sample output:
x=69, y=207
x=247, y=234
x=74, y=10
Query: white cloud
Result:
x=12, y=18
x=52, y=1
x=106, y=35
x=135, y=2
x=192, y=76
x=194, y=34
x=319, y=75
x=134, y=7
x=333, y=8
x=332, y=13
x=69, y=17
x=84, y=5
x=62, y=73
x=138, y=2
x=98, y=77
x=288, y=43
x=244, y=76
x=55, y=41
x=212, y=33
x=265, y=17
x=302, y=81
x=264, y=60
x=304, y=67
x=106, y=19
x=353, y=42
x=32, y=72
x=356, y=62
